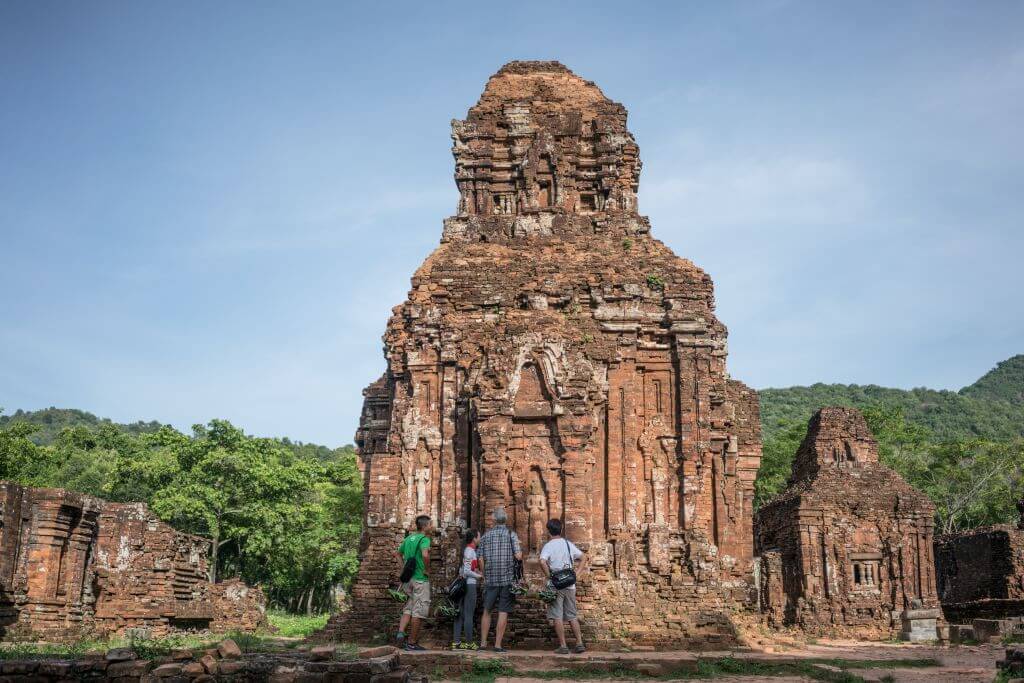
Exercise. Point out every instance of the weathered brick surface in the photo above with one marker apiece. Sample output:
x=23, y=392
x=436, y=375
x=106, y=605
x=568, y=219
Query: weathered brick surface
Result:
x=72, y=564
x=981, y=572
x=554, y=358
x=847, y=548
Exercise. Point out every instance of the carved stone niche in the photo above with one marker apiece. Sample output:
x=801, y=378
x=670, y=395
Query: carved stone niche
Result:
x=865, y=571
x=533, y=398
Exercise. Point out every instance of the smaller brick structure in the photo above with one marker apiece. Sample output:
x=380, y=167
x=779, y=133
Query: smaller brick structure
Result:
x=847, y=547
x=72, y=564
x=980, y=573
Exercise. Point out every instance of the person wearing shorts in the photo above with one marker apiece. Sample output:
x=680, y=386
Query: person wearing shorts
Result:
x=498, y=551
x=557, y=554
x=417, y=606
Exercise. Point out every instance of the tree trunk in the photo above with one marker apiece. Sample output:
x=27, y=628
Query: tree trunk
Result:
x=213, y=555
x=309, y=602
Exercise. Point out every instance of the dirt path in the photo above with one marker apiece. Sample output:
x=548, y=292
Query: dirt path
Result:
x=965, y=664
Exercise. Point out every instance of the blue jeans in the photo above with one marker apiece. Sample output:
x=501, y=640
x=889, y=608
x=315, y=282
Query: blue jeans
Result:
x=464, y=619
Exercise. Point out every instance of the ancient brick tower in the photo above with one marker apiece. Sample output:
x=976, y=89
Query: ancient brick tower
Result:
x=847, y=547
x=554, y=358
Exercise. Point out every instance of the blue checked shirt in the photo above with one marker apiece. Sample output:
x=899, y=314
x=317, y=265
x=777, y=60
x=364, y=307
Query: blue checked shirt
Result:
x=498, y=548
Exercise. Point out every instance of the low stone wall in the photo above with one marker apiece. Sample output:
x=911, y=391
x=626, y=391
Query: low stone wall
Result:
x=963, y=612
x=223, y=663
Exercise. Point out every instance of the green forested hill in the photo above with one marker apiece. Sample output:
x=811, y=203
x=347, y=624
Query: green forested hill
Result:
x=1004, y=383
x=964, y=449
x=51, y=421
x=991, y=408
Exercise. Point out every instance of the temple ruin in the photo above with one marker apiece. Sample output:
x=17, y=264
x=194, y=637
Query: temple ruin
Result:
x=980, y=572
x=73, y=565
x=847, y=547
x=554, y=358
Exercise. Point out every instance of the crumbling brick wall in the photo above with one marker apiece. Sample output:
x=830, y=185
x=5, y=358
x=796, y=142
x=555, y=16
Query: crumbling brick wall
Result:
x=981, y=573
x=852, y=539
x=72, y=564
x=48, y=538
x=555, y=359
x=237, y=606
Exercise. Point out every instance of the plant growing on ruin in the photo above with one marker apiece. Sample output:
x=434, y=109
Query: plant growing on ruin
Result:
x=655, y=282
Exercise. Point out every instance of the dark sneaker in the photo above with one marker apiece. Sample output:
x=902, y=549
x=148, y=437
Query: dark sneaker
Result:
x=498, y=649
x=579, y=649
x=414, y=647
x=562, y=651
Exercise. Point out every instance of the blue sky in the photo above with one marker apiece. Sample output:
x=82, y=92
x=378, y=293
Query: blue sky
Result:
x=209, y=209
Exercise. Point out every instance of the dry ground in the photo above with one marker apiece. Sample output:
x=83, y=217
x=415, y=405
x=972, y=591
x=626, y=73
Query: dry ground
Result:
x=966, y=664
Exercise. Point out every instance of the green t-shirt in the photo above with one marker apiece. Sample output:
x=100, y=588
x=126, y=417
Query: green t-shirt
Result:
x=412, y=546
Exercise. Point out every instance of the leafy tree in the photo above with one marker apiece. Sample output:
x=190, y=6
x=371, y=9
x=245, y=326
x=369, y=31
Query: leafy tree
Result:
x=235, y=489
x=777, y=461
x=972, y=483
x=20, y=458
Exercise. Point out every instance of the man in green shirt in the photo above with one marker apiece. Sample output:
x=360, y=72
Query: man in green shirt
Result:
x=417, y=607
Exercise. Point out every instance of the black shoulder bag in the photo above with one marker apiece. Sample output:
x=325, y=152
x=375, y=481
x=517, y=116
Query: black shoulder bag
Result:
x=564, y=578
x=410, y=564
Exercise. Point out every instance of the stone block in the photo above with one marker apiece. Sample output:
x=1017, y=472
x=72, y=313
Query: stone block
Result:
x=209, y=663
x=230, y=667
x=228, y=649
x=167, y=670
x=120, y=654
x=989, y=629
x=193, y=669
x=321, y=653
x=135, y=668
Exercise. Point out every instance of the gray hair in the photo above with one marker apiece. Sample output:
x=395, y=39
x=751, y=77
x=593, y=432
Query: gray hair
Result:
x=500, y=515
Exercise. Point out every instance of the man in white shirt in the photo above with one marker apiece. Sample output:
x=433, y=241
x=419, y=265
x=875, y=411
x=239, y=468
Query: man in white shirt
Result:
x=558, y=554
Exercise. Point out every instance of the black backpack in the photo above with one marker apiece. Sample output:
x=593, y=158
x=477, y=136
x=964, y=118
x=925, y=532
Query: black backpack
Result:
x=456, y=589
x=410, y=564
